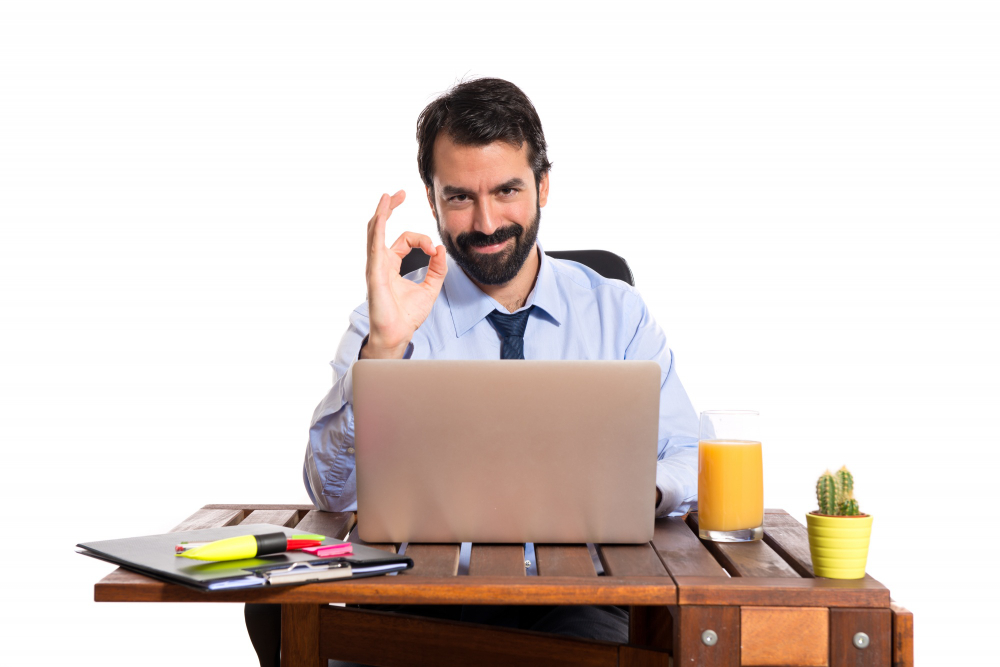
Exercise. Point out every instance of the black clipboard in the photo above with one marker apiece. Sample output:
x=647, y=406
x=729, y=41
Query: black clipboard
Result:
x=154, y=556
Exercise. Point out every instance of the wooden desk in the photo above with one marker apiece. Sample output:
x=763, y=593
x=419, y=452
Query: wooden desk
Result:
x=702, y=603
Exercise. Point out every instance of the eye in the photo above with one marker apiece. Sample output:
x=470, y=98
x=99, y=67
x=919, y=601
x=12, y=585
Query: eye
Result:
x=508, y=192
x=458, y=199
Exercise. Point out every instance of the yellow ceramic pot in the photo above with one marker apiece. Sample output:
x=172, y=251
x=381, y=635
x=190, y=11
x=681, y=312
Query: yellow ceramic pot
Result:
x=839, y=545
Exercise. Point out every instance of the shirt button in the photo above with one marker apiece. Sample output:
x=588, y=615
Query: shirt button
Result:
x=350, y=450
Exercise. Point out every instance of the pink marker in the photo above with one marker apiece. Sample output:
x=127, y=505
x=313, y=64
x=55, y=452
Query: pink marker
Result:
x=326, y=550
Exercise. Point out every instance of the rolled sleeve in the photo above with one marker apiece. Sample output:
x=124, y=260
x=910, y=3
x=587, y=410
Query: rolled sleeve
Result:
x=677, y=451
x=328, y=469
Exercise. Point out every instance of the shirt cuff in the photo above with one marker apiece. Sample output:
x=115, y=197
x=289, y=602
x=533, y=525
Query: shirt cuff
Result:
x=671, y=499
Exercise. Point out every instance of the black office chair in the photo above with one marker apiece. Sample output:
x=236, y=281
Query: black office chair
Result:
x=608, y=264
x=264, y=620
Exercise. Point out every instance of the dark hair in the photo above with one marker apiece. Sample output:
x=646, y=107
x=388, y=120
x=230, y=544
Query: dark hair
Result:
x=477, y=113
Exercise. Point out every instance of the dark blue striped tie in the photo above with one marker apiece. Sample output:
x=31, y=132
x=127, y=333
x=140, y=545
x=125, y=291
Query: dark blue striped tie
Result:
x=511, y=327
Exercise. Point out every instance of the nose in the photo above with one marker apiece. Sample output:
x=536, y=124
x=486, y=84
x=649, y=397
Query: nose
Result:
x=487, y=216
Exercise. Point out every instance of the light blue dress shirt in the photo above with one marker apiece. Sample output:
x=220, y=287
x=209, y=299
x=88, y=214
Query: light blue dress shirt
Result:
x=578, y=315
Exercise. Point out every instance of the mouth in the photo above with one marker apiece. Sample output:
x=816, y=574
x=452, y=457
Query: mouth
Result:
x=489, y=249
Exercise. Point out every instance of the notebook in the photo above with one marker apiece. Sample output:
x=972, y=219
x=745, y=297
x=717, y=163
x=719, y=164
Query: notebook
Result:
x=506, y=451
x=154, y=556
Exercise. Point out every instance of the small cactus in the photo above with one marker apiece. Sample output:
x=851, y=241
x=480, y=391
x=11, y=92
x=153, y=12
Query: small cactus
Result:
x=846, y=480
x=826, y=493
x=848, y=508
x=835, y=493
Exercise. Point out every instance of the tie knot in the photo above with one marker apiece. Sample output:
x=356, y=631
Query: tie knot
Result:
x=511, y=327
x=510, y=324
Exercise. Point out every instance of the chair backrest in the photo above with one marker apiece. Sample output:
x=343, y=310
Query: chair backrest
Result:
x=606, y=263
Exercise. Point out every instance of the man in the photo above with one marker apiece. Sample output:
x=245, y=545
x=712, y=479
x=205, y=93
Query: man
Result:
x=482, y=157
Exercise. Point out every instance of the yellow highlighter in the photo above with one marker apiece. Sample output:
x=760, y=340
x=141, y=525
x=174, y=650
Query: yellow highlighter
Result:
x=250, y=546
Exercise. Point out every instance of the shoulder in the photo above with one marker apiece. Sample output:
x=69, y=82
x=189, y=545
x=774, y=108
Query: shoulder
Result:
x=577, y=277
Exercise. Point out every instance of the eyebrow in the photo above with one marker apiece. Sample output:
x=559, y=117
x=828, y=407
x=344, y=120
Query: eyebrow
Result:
x=452, y=190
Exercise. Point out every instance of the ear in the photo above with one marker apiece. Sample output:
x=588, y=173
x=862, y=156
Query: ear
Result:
x=543, y=190
x=430, y=200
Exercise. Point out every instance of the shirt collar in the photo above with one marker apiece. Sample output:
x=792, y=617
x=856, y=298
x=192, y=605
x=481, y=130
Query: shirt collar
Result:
x=469, y=304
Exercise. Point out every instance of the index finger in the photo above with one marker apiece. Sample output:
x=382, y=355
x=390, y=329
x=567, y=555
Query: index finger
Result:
x=376, y=226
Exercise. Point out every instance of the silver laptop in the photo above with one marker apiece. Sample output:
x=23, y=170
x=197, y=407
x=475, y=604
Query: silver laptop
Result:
x=506, y=451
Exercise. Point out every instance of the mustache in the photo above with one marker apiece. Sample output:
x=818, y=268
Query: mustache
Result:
x=478, y=239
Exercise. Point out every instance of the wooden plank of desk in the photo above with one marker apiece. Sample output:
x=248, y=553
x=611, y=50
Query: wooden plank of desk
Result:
x=496, y=560
x=354, y=539
x=564, y=560
x=846, y=623
x=791, y=636
x=432, y=560
x=360, y=635
x=782, y=592
x=210, y=518
x=788, y=537
x=902, y=636
x=331, y=524
x=690, y=622
x=633, y=656
x=681, y=552
x=285, y=517
x=654, y=591
x=628, y=560
x=747, y=559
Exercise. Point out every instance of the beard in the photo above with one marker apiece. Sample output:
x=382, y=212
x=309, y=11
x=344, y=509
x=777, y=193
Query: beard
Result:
x=496, y=268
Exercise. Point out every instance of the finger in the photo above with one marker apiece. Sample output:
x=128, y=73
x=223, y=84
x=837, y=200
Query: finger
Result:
x=408, y=240
x=397, y=199
x=376, y=239
x=436, y=271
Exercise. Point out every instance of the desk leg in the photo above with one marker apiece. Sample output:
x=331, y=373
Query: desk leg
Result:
x=651, y=627
x=300, y=635
x=720, y=649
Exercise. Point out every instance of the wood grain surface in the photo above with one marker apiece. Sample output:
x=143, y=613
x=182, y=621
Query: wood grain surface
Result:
x=628, y=560
x=497, y=560
x=331, y=524
x=746, y=559
x=276, y=517
x=432, y=560
x=360, y=636
x=681, y=552
x=790, y=636
x=782, y=592
x=300, y=635
x=564, y=560
x=689, y=624
x=845, y=623
x=131, y=587
x=902, y=636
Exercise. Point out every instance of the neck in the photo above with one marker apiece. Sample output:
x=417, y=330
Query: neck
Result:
x=514, y=294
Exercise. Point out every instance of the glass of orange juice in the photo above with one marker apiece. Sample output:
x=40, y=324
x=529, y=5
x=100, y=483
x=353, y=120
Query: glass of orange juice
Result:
x=730, y=477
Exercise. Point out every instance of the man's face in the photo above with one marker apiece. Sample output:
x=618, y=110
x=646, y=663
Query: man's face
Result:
x=487, y=208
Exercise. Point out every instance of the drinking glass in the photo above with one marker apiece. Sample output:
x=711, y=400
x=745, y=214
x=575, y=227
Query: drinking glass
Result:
x=730, y=477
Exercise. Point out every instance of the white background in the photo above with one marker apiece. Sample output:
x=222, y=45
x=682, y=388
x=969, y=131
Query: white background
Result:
x=808, y=197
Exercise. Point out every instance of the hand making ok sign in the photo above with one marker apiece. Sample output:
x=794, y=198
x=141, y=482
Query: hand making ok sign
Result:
x=396, y=306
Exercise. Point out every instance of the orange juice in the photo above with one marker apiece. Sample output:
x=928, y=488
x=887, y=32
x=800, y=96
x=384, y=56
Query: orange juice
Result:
x=730, y=485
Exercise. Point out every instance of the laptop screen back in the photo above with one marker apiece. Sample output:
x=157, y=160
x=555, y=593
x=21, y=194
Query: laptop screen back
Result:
x=506, y=451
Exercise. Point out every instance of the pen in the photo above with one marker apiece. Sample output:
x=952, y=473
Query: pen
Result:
x=247, y=546
x=308, y=540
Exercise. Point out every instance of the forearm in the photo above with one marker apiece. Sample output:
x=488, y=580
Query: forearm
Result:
x=328, y=469
x=677, y=477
